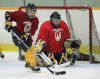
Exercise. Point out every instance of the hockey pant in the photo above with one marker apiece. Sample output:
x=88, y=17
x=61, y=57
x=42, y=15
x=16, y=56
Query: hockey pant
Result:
x=29, y=57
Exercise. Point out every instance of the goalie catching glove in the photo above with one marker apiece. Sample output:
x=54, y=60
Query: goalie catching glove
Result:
x=73, y=44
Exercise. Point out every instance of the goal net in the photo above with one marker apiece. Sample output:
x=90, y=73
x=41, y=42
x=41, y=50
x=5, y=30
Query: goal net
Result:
x=81, y=25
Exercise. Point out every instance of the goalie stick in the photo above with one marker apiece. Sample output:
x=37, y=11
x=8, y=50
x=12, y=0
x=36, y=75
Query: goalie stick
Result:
x=53, y=72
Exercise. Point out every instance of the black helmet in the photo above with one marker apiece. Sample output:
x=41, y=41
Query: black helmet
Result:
x=32, y=7
x=55, y=16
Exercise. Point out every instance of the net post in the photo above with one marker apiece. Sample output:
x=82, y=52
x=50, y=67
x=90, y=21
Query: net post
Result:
x=64, y=2
x=24, y=2
x=90, y=33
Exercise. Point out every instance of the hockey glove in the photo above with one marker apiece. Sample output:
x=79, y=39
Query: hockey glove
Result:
x=25, y=36
x=28, y=34
x=8, y=26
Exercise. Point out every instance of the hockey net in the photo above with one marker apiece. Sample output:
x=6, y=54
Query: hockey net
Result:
x=81, y=25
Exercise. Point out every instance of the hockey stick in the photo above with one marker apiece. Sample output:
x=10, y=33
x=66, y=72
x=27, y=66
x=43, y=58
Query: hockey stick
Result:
x=53, y=72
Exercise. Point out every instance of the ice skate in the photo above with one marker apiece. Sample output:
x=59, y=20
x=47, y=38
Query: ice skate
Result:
x=27, y=65
x=35, y=69
x=72, y=62
x=1, y=55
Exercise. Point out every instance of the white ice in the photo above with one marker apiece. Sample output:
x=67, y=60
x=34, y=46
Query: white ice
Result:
x=12, y=68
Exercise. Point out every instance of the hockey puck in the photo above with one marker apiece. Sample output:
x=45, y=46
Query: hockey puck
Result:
x=64, y=72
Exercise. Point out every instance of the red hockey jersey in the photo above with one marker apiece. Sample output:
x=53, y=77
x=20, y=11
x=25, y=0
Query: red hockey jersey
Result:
x=54, y=37
x=23, y=23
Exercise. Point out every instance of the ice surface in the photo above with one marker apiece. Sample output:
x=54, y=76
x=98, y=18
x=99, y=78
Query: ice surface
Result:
x=11, y=68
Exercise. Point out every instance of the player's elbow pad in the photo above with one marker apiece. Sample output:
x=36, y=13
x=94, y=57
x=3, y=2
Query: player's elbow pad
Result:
x=7, y=17
x=40, y=44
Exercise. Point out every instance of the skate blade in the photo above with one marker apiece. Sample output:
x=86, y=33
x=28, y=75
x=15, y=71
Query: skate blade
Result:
x=27, y=68
x=37, y=71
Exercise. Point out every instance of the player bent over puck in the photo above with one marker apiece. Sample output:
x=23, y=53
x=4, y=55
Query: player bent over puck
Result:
x=53, y=38
x=27, y=24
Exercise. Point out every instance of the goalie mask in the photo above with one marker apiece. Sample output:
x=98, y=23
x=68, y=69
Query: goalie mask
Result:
x=55, y=19
x=30, y=11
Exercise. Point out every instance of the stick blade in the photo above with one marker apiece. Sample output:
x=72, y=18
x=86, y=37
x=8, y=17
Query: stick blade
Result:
x=60, y=73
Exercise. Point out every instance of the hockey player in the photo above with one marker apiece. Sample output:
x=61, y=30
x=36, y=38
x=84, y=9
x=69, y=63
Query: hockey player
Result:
x=27, y=24
x=1, y=54
x=53, y=36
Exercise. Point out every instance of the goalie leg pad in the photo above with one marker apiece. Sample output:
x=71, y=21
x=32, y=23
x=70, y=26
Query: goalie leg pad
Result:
x=72, y=58
x=64, y=58
x=51, y=57
x=31, y=57
x=47, y=58
x=38, y=62
x=63, y=61
x=58, y=56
